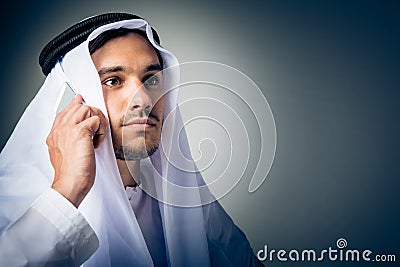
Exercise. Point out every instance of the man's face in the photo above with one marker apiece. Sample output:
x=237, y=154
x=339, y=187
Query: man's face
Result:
x=129, y=73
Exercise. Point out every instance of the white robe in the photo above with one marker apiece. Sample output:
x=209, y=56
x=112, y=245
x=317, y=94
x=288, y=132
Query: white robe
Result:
x=54, y=233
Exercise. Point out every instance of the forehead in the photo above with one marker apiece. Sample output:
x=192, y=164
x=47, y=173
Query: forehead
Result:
x=131, y=49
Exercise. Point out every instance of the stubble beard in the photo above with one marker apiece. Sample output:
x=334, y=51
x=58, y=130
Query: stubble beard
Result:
x=129, y=152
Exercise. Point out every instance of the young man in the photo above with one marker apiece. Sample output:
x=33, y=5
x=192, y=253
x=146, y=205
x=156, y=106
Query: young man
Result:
x=106, y=190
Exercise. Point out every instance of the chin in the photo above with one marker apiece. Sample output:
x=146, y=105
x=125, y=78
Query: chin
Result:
x=137, y=149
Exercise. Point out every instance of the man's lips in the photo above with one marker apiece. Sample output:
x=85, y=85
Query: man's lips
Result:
x=140, y=122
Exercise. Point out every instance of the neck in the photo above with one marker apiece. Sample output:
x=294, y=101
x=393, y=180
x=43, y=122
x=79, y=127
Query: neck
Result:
x=129, y=171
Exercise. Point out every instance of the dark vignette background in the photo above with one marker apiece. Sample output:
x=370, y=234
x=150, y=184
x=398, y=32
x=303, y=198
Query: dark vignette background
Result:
x=330, y=71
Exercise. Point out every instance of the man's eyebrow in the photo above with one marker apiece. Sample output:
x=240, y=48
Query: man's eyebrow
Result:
x=153, y=67
x=111, y=69
x=107, y=70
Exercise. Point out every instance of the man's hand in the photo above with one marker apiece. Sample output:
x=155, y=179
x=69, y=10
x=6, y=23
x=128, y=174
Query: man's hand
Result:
x=76, y=131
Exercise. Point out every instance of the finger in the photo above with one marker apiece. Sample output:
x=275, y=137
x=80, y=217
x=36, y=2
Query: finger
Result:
x=79, y=112
x=103, y=119
x=90, y=126
x=78, y=99
x=100, y=134
x=93, y=127
x=85, y=112
x=82, y=113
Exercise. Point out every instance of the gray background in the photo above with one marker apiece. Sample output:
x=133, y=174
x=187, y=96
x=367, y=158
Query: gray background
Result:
x=330, y=71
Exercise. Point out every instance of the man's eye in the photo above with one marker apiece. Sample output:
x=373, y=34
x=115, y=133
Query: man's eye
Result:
x=152, y=81
x=114, y=81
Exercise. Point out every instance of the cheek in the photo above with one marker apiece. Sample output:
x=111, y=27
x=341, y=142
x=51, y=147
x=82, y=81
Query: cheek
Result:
x=115, y=109
x=159, y=109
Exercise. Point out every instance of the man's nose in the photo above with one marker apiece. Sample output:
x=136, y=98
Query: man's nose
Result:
x=141, y=99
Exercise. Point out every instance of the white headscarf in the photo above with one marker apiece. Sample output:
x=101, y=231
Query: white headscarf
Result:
x=26, y=171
